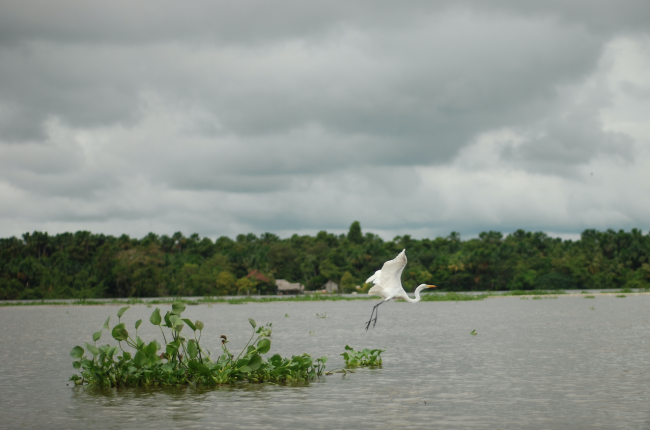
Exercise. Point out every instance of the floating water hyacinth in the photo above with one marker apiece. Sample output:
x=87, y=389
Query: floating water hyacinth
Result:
x=364, y=358
x=183, y=360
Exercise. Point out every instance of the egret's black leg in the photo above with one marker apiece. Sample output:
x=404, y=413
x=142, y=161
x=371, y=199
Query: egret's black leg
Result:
x=374, y=308
x=371, y=315
x=376, y=315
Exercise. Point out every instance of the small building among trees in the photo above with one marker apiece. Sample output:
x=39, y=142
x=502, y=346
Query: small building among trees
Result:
x=331, y=287
x=286, y=287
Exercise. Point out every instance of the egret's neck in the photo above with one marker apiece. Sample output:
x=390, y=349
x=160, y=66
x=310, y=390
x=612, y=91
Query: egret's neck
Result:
x=417, y=294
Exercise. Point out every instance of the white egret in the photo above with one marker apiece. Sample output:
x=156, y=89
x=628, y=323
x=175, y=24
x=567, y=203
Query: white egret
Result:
x=388, y=284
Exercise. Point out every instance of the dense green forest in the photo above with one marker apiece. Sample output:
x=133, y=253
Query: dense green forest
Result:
x=86, y=265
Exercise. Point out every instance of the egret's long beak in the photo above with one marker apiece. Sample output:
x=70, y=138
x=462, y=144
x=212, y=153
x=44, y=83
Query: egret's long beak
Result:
x=431, y=286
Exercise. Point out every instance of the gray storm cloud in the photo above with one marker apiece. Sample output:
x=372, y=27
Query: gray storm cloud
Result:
x=417, y=117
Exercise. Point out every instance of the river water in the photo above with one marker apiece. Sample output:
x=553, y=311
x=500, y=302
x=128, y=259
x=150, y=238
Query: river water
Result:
x=534, y=364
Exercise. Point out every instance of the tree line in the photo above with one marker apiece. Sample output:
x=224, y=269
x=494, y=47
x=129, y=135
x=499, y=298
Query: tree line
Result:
x=86, y=265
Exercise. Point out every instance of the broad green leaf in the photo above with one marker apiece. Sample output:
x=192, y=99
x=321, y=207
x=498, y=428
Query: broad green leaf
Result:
x=140, y=359
x=92, y=349
x=77, y=352
x=245, y=369
x=252, y=321
x=156, y=319
x=119, y=332
x=97, y=335
x=276, y=360
x=349, y=348
x=152, y=359
x=198, y=367
x=192, y=350
x=111, y=352
x=150, y=349
x=171, y=350
x=243, y=361
x=106, y=323
x=263, y=346
x=189, y=324
x=76, y=364
x=127, y=356
x=256, y=362
x=137, y=323
x=122, y=310
x=199, y=325
x=168, y=322
x=139, y=342
x=176, y=321
x=178, y=308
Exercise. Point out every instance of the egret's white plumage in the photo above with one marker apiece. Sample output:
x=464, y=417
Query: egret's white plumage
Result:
x=388, y=284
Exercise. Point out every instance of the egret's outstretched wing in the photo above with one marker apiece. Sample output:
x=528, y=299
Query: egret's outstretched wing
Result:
x=374, y=278
x=388, y=280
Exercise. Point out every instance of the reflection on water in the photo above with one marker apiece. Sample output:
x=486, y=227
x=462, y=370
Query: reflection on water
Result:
x=533, y=364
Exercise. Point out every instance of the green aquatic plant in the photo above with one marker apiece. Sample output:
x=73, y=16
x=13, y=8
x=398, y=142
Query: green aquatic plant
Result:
x=590, y=297
x=183, y=359
x=364, y=358
x=323, y=315
x=532, y=292
x=473, y=333
x=621, y=296
x=450, y=297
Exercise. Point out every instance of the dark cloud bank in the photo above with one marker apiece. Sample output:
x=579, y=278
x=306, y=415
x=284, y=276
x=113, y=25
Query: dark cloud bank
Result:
x=291, y=116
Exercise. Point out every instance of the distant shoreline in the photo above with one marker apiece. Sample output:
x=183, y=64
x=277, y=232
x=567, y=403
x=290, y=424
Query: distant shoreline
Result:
x=236, y=300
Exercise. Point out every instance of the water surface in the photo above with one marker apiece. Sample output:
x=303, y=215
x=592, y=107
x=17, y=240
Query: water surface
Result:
x=535, y=364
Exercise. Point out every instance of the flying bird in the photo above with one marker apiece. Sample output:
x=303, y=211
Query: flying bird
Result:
x=388, y=284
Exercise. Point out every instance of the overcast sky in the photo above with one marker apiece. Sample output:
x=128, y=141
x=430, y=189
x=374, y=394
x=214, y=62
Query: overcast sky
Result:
x=291, y=116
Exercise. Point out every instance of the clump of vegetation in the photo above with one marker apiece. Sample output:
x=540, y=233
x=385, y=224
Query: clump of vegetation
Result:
x=621, y=296
x=182, y=359
x=451, y=297
x=364, y=358
x=533, y=292
x=473, y=332
x=590, y=297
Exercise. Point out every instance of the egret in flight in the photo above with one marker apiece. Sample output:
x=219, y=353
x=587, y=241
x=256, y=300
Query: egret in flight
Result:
x=388, y=284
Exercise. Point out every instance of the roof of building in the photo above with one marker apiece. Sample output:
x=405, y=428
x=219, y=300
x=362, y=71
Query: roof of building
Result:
x=284, y=285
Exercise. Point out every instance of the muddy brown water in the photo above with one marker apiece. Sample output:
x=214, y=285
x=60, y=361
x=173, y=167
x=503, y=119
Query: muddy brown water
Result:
x=534, y=364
